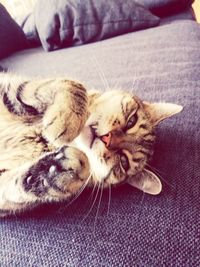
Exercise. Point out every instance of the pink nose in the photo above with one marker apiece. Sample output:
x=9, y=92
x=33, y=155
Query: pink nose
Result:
x=106, y=139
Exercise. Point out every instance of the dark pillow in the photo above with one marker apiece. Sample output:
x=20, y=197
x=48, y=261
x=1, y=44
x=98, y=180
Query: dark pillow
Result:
x=27, y=23
x=62, y=23
x=12, y=37
x=164, y=8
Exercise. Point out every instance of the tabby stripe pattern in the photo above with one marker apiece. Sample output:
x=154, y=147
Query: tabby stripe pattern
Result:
x=28, y=109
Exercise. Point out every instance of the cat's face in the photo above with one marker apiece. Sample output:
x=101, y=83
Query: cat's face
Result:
x=118, y=138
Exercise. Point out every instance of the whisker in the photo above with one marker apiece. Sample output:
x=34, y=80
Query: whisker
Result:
x=133, y=83
x=76, y=195
x=98, y=207
x=100, y=72
x=116, y=85
x=109, y=198
x=92, y=193
x=93, y=203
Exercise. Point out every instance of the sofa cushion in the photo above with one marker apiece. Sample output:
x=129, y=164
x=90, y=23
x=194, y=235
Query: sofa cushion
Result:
x=11, y=36
x=164, y=8
x=161, y=8
x=62, y=23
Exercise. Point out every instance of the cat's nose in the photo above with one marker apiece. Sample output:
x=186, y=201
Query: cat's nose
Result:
x=106, y=139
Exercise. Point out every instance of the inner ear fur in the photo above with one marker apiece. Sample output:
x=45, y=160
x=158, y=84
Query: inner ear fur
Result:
x=146, y=181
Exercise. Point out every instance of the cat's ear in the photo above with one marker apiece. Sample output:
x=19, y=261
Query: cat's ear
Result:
x=161, y=111
x=147, y=181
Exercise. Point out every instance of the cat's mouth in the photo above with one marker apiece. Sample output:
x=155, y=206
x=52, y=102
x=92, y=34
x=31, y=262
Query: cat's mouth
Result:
x=89, y=135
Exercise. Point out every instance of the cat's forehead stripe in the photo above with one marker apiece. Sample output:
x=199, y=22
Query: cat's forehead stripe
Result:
x=128, y=105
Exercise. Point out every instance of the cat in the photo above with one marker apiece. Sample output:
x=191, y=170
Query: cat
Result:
x=56, y=137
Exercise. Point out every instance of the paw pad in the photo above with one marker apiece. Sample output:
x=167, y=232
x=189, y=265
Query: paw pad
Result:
x=52, y=169
x=28, y=179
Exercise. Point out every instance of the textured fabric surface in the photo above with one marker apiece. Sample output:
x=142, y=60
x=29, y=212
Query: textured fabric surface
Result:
x=159, y=64
x=12, y=37
x=62, y=23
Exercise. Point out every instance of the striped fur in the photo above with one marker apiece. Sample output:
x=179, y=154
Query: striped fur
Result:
x=56, y=138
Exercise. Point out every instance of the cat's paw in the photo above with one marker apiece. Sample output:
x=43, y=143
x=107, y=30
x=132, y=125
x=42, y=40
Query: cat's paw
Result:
x=65, y=118
x=57, y=175
x=63, y=128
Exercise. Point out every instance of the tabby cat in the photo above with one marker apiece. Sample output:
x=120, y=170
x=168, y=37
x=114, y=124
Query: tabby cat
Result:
x=56, y=138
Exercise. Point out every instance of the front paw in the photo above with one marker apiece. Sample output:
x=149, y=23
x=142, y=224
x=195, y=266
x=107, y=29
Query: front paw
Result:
x=65, y=118
x=57, y=175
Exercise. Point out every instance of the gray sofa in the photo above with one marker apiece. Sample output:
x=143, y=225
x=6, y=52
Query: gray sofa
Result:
x=133, y=229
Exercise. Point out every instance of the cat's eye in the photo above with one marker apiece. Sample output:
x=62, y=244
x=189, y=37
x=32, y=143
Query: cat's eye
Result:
x=131, y=121
x=124, y=161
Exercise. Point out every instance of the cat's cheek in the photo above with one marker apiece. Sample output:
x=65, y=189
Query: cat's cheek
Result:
x=114, y=179
x=86, y=136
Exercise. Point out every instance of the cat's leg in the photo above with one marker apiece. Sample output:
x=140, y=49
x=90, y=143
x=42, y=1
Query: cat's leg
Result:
x=55, y=176
x=66, y=116
x=61, y=104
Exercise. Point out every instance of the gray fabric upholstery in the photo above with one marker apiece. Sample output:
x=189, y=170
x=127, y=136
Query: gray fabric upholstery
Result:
x=159, y=64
